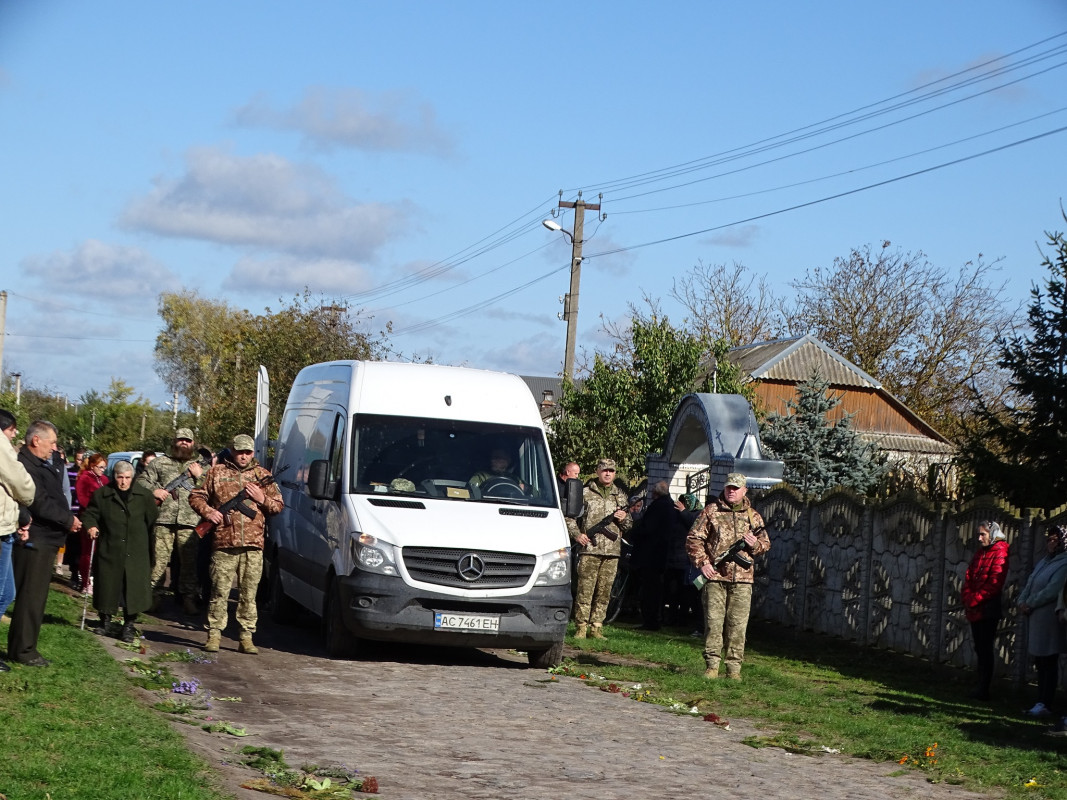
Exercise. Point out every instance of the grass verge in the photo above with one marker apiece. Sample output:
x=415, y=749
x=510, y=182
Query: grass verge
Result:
x=77, y=730
x=810, y=692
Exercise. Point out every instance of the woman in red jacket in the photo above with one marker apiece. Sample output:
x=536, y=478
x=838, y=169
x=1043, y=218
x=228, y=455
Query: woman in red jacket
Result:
x=982, y=588
x=90, y=479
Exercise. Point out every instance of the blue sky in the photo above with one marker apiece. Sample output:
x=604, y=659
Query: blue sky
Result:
x=402, y=156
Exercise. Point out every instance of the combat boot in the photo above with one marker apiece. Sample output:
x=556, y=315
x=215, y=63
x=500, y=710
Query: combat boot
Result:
x=597, y=632
x=214, y=641
x=245, y=644
x=581, y=631
x=712, y=671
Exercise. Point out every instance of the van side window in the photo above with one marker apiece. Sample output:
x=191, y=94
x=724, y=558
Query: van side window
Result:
x=337, y=449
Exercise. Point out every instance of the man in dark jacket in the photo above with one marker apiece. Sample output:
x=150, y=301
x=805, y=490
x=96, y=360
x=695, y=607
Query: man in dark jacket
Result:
x=655, y=533
x=35, y=558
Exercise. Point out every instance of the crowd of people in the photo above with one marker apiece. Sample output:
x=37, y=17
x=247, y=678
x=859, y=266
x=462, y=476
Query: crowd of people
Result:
x=176, y=514
x=201, y=514
x=690, y=557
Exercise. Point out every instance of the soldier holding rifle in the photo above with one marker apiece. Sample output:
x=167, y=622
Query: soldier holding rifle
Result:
x=236, y=496
x=598, y=532
x=722, y=543
x=170, y=478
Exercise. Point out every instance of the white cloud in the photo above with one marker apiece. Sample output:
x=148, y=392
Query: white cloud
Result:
x=353, y=118
x=737, y=236
x=507, y=315
x=289, y=275
x=535, y=355
x=265, y=202
x=96, y=270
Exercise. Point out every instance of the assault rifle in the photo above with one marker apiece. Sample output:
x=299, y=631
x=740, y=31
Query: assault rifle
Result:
x=184, y=480
x=236, y=503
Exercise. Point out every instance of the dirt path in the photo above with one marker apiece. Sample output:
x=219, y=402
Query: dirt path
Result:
x=465, y=725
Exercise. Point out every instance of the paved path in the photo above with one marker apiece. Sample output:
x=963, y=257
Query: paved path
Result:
x=465, y=725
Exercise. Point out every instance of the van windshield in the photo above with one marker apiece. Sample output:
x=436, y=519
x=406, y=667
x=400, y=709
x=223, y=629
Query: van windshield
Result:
x=449, y=459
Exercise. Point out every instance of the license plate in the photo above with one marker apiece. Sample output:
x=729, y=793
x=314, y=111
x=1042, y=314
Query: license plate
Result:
x=466, y=622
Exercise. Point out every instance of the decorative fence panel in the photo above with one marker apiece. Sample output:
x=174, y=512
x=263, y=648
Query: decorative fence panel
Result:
x=889, y=574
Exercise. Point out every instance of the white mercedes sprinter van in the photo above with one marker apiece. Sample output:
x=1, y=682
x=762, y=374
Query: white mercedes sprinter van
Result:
x=420, y=506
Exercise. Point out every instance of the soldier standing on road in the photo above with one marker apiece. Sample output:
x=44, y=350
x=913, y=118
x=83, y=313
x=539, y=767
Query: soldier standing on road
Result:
x=599, y=533
x=177, y=521
x=728, y=525
x=238, y=538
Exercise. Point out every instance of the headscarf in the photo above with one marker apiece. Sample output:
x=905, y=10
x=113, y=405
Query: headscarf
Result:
x=995, y=533
x=1059, y=532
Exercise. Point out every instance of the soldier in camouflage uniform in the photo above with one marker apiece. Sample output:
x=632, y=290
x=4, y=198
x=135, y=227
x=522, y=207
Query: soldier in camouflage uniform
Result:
x=598, y=532
x=176, y=522
x=238, y=538
x=727, y=594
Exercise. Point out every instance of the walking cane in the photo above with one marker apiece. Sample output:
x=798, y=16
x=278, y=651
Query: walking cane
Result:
x=86, y=582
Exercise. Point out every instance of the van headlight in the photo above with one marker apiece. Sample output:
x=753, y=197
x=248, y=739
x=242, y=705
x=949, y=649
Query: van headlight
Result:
x=557, y=570
x=373, y=555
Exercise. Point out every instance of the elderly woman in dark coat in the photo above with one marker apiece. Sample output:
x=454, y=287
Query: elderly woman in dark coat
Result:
x=120, y=519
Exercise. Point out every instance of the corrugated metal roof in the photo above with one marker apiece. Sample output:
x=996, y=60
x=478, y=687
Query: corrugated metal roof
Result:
x=907, y=443
x=795, y=359
x=538, y=386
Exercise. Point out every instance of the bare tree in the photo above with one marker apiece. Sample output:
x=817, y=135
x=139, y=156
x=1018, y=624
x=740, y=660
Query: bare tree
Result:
x=729, y=303
x=926, y=334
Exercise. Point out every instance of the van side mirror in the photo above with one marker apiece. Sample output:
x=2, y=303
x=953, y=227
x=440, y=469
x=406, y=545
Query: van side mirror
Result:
x=573, y=502
x=319, y=485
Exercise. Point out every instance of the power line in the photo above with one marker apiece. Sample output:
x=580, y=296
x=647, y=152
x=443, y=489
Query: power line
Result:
x=669, y=171
x=831, y=197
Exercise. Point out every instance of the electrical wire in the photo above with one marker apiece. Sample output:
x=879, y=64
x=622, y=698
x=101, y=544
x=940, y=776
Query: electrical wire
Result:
x=829, y=197
x=696, y=163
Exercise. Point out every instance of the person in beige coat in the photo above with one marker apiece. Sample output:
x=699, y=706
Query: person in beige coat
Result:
x=16, y=493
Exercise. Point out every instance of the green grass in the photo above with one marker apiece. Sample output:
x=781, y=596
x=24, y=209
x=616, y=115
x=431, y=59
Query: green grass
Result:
x=807, y=692
x=77, y=730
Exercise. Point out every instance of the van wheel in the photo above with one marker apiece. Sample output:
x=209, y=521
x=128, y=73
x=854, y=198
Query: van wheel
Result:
x=546, y=659
x=339, y=642
x=280, y=607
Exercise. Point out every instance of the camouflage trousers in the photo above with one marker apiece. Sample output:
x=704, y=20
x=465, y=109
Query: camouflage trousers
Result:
x=167, y=538
x=246, y=564
x=595, y=576
x=726, y=607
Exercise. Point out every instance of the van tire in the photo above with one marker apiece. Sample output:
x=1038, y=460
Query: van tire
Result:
x=281, y=608
x=546, y=659
x=340, y=644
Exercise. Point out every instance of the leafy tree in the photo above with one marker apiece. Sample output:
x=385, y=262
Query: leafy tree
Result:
x=624, y=406
x=1018, y=448
x=820, y=449
x=729, y=303
x=210, y=353
x=926, y=334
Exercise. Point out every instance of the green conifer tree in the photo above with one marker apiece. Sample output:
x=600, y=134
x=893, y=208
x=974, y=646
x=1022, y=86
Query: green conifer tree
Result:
x=820, y=452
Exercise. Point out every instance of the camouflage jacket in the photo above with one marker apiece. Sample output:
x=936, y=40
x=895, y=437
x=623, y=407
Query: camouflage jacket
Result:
x=224, y=482
x=716, y=529
x=600, y=504
x=157, y=475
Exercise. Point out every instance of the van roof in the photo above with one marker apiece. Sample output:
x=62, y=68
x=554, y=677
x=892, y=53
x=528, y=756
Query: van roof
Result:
x=428, y=390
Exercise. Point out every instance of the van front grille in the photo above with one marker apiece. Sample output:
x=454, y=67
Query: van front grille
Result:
x=468, y=569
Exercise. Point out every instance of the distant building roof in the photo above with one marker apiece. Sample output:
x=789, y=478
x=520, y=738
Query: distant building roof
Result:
x=795, y=359
x=538, y=387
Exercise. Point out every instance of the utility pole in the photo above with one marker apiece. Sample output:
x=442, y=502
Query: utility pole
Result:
x=3, y=323
x=175, y=411
x=570, y=302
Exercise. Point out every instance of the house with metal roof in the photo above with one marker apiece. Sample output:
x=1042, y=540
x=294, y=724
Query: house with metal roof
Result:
x=877, y=416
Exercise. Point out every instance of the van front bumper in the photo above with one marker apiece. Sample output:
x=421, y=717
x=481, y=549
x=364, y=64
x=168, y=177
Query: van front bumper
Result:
x=386, y=609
